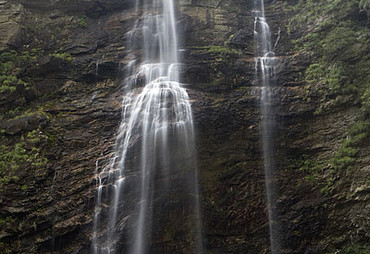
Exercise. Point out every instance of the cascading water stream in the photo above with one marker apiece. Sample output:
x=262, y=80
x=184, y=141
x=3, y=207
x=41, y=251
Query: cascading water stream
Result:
x=154, y=154
x=265, y=62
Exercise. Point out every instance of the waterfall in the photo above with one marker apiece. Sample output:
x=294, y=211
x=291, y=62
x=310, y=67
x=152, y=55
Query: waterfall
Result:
x=152, y=171
x=265, y=62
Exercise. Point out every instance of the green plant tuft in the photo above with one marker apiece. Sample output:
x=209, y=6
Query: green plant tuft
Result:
x=83, y=22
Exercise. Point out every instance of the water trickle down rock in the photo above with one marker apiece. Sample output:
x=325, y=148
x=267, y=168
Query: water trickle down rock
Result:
x=153, y=166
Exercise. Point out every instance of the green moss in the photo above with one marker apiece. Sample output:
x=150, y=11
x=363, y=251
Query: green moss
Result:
x=5, y=248
x=334, y=76
x=7, y=61
x=346, y=155
x=343, y=160
x=64, y=56
x=338, y=45
x=315, y=73
x=29, y=112
x=223, y=49
x=23, y=153
x=311, y=168
x=356, y=249
x=51, y=138
x=11, y=113
x=218, y=49
x=11, y=63
x=325, y=190
x=9, y=83
x=365, y=100
x=6, y=221
x=359, y=129
x=33, y=137
x=82, y=22
x=10, y=160
x=30, y=56
x=364, y=4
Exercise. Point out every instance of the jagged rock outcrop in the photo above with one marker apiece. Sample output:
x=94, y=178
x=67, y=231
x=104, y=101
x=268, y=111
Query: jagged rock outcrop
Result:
x=66, y=104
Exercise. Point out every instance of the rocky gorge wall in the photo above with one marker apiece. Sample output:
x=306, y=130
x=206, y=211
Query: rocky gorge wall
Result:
x=62, y=64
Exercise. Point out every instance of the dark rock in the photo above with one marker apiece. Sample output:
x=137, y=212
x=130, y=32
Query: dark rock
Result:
x=25, y=123
x=10, y=29
x=242, y=39
x=90, y=7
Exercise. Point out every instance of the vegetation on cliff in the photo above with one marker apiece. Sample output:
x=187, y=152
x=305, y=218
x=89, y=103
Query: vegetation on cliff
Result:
x=335, y=36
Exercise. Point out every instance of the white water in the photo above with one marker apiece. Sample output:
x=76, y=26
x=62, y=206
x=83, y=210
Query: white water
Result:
x=265, y=62
x=154, y=144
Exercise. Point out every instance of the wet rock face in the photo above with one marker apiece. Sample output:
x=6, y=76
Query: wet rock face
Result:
x=91, y=8
x=10, y=28
x=73, y=95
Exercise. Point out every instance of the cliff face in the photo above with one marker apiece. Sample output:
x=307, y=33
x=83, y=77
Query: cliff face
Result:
x=62, y=65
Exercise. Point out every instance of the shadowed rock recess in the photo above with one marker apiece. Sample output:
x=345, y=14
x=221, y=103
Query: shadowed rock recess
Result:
x=62, y=66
